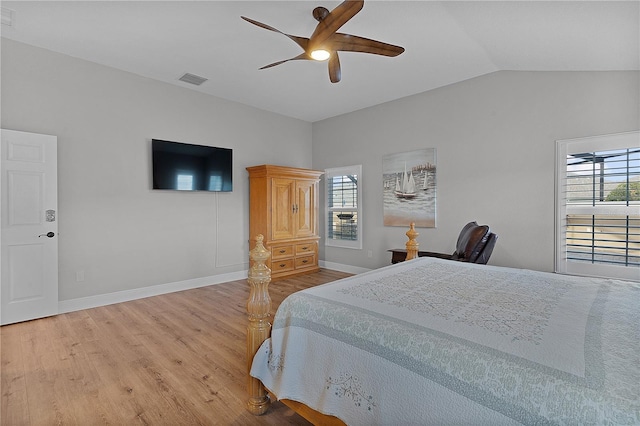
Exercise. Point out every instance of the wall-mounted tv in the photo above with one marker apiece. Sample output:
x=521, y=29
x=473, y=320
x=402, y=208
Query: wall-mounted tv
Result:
x=186, y=167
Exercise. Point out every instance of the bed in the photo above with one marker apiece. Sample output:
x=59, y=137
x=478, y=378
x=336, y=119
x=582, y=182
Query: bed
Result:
x=432, y=341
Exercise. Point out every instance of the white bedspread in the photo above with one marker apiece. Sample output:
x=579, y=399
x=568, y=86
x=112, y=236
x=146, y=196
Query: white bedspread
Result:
x=431, y=341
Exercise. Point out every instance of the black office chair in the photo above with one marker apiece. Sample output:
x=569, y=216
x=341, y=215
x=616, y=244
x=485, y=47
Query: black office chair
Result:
x=475, y=244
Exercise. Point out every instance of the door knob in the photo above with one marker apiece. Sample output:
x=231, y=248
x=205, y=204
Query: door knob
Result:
x=48, y=234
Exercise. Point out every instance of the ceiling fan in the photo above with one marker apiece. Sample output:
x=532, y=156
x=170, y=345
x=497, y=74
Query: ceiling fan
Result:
x=325, y=42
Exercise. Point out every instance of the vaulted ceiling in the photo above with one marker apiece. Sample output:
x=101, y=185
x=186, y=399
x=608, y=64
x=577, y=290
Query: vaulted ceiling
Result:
x=445, y=41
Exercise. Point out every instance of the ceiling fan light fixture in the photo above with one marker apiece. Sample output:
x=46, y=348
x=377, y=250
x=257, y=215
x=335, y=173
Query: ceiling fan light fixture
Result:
x=320, y=55
x=325, y=42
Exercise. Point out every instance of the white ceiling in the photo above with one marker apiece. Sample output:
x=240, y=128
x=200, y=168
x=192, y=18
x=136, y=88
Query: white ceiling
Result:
x=445, y=42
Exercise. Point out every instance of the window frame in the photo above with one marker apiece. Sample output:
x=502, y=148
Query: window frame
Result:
x=328, y=175
x=627, y=140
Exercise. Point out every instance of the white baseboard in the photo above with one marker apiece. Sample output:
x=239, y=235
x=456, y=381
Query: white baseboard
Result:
x=88, y=302
x=342, y=268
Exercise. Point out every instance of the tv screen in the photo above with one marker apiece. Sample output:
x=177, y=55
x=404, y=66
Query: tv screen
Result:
x=186, y=167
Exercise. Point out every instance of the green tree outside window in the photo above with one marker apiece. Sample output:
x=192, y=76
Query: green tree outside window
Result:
x=619, y=193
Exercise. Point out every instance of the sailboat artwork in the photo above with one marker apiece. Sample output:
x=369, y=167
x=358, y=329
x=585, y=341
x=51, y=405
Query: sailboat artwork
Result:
x=409, y=188
x=406, y=188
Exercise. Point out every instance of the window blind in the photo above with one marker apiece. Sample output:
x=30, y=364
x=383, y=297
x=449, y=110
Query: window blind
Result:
x=598, y=199
x=343, y=211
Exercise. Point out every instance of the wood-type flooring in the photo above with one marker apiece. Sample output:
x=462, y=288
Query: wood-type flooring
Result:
x=174, y=359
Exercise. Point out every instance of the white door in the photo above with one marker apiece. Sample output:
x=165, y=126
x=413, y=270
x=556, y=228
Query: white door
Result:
x=29, y=231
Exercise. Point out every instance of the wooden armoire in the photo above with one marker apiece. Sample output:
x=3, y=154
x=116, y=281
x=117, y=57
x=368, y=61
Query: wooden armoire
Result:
x=283, y=207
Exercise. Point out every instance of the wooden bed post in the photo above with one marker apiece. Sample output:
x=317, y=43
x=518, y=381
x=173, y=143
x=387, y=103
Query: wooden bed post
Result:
x=412, y=244
x=259, y=328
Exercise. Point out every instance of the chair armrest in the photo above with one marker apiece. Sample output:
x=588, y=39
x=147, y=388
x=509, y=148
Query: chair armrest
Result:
x=434, y=254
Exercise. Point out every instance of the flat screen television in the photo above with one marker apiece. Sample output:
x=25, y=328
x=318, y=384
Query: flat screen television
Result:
x=186, y=167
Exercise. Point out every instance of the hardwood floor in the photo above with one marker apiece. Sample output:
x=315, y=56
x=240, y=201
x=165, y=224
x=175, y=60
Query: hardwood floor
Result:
x=175, y=359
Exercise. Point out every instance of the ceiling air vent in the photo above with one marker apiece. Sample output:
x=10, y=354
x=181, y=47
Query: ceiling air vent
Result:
x=193, y=79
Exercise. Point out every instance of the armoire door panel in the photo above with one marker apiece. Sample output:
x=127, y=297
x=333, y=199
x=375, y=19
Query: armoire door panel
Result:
x=283, y=222
x=305, y=208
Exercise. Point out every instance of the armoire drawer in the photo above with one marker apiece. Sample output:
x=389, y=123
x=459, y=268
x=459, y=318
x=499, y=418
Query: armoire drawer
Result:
x=308, y=247
x=305, y=261
x=278, y=252
x=282, y=265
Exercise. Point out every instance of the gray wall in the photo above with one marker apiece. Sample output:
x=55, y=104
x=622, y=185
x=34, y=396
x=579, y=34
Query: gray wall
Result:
x=494, y=135
x=495, y=143
x=122, y=234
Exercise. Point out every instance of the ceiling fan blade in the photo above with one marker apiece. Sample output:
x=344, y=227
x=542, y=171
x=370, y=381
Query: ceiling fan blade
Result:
x=351, y=43
x=303, y=42
x=300, y=56
x=335, y=74
x=334, y=20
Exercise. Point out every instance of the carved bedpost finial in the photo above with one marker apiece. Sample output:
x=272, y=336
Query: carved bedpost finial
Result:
x=412, y=244
x=259, y=328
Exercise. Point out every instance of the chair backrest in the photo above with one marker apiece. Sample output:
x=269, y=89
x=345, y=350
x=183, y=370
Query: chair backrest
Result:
x=475, y=243
x=484, y=255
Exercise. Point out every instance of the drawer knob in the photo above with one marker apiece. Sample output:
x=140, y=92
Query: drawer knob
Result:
x=282, y=265
x=305, y=248
x=282, y=251
x=305, y=261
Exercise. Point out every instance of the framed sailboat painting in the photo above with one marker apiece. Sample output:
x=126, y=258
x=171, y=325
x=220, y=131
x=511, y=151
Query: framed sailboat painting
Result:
x=409, y=188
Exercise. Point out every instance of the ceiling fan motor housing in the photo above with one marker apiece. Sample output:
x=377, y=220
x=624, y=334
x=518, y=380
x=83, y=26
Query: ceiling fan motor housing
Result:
x=319, y=13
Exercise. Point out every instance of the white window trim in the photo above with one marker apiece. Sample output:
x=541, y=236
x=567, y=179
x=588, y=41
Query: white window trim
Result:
x=574, y=146
x=342, y=171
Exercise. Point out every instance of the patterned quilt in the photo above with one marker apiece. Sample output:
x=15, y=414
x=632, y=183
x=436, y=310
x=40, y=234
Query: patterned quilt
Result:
x=431, y=341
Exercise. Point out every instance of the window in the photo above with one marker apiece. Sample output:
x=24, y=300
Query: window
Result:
x=598, y=206
x=343, y=212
